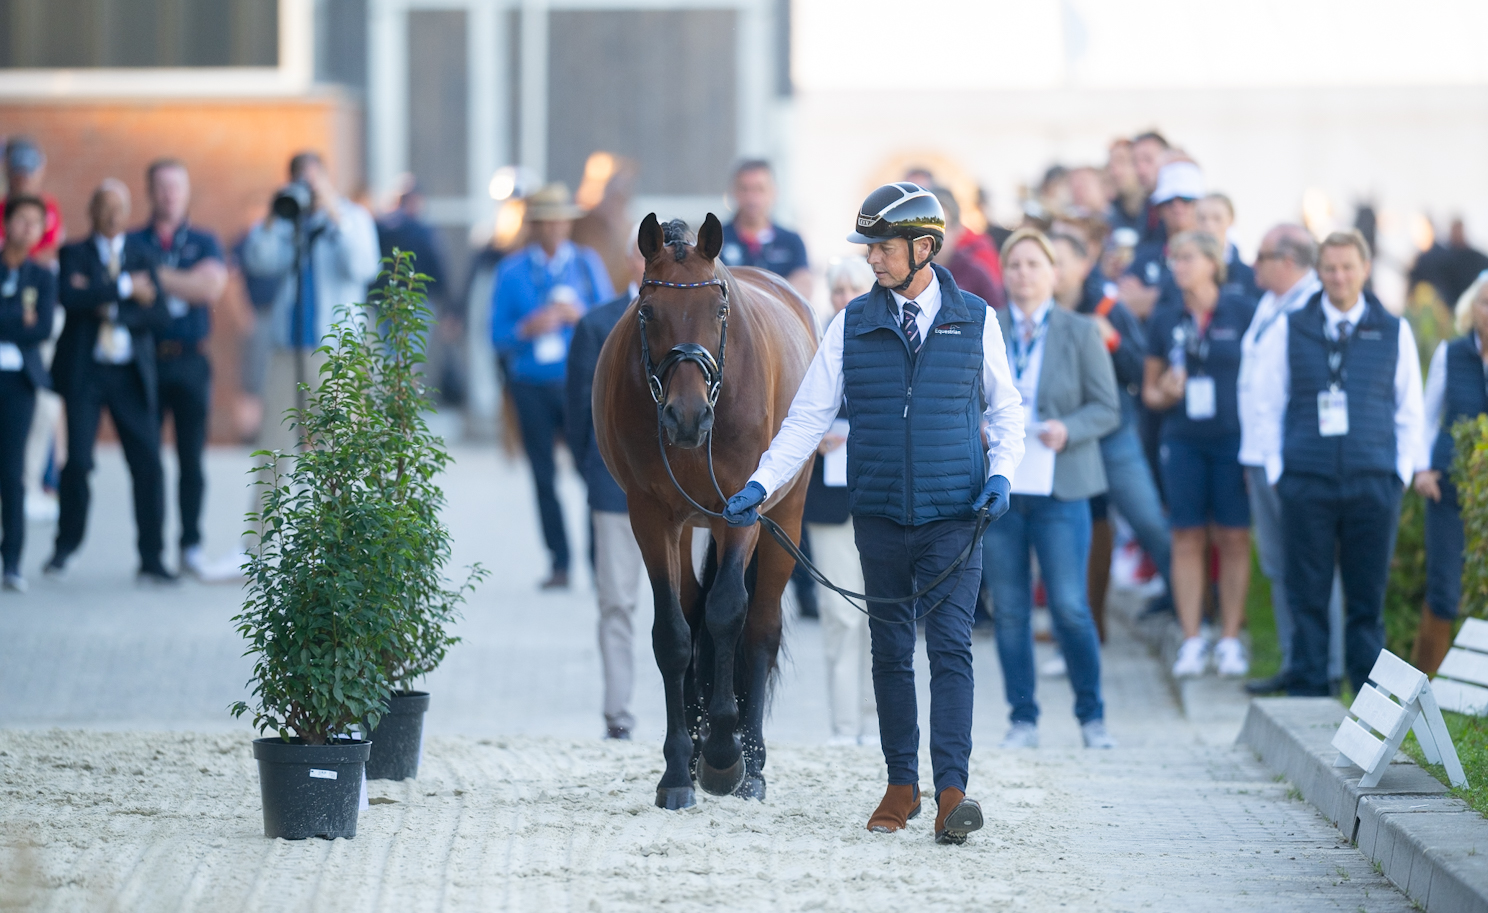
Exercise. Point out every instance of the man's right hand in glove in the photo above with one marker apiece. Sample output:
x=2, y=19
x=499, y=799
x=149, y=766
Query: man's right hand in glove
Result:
x=996, y=497
x=740, y=509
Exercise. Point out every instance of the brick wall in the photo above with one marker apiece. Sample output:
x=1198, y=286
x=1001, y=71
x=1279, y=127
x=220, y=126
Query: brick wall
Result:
x=237, y=152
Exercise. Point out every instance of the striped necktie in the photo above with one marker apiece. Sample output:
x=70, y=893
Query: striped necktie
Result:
x=912, y=329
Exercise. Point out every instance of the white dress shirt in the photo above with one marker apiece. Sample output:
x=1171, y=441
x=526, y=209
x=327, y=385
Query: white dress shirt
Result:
x=1272, y=381
x=1027, y=382
x=1271, y=310
x=819, y=398
x=1435, y=401
x=118, y=348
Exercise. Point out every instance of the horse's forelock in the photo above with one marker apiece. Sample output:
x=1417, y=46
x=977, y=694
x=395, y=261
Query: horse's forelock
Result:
x=676, y=235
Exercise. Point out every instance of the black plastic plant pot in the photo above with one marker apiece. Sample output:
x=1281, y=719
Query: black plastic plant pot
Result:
x=310, y=790
x=398, y=736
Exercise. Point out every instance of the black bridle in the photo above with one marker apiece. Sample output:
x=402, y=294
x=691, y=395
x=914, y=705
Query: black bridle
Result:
x=656, y=376
x=699, y=355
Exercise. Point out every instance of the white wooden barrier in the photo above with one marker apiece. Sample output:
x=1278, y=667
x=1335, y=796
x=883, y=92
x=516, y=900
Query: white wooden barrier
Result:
x=1461, y=684
x=1414, y=707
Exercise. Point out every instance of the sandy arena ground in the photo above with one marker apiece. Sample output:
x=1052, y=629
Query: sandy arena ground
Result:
x=124, y=785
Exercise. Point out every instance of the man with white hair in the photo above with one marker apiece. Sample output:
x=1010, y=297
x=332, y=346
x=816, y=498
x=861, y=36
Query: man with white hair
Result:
x=106, y=358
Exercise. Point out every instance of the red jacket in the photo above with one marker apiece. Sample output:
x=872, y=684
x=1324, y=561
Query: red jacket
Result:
x=972, y=276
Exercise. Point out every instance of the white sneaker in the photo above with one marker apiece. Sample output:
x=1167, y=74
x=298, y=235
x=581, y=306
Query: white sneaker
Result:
x=15, y=583
x=227, y=569
x=194, y=561
x=1193, y=658
x=1054, y=668
x=842, y=741
x=1230, y=658
x=1022, y=735
x=1095, y=735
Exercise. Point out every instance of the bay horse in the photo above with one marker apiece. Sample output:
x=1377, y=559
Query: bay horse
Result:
x=716, y=640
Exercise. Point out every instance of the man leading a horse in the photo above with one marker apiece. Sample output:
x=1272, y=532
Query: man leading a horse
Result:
x=921, y=365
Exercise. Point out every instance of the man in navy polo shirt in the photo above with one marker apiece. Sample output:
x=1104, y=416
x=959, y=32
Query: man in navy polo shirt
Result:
x=192, y=275
x=751, y=239
x=1338, y=400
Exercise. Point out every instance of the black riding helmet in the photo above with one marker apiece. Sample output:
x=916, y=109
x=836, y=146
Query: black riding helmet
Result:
x=901, y=210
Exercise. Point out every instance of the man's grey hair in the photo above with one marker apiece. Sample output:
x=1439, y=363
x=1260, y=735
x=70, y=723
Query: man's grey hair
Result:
x=1296, y=244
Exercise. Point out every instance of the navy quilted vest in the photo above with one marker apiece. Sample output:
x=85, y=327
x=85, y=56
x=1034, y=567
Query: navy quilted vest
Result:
x=915, y=454
x=1369, y=380
x=1466, y=396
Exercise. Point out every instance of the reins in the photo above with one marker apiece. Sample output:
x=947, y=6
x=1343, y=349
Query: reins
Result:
x=712, y=369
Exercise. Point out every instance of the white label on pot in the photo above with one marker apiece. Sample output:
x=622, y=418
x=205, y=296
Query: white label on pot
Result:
x=362, y=804
x=322, y=774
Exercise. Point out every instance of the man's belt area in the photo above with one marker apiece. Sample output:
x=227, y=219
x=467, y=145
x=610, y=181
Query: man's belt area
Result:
x=175, y=348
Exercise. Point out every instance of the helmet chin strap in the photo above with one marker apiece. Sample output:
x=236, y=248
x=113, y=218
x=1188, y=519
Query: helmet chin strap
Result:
x=915, y=267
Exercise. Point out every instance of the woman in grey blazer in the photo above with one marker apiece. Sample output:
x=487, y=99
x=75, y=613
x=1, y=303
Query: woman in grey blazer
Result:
x=1069, y=394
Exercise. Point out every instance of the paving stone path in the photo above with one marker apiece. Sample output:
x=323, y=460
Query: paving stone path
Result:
x=124, y=784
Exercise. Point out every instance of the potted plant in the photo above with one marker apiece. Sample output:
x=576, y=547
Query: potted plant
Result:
x=408, y=571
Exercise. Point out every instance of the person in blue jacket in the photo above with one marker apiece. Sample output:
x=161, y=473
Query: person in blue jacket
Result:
x=28, y=296
x=539, y=294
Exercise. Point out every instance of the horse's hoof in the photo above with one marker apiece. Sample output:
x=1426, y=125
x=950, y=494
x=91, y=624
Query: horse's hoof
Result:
x=752, y=788
x=721, y=782
x=673, y=798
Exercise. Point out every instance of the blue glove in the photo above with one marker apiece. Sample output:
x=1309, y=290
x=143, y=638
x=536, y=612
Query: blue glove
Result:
x=740, y=509
x=996, y=497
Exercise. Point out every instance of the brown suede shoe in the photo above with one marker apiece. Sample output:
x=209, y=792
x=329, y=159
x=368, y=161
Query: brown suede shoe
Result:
x=958, y=816
x=900, y=803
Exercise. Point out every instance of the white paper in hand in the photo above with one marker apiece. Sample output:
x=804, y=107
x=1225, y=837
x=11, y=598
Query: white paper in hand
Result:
x=834, y=463
x=1035, y=475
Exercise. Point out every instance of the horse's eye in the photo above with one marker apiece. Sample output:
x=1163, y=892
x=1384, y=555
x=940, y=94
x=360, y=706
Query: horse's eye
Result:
x=646, y=312
x=723, y=312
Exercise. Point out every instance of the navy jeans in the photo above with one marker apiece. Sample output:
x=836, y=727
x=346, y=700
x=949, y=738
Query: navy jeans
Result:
x=898, y=560
x=1059, y=531
x=1445, y=542
x=1351, y=521
x=1133, y=492
x=540, y=414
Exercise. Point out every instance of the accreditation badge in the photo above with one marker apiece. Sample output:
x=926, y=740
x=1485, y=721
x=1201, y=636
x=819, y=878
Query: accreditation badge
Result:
x=1333, y=413
x=28, y=298
x=1199, y=399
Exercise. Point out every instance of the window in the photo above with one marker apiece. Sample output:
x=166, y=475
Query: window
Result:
x=138, y=33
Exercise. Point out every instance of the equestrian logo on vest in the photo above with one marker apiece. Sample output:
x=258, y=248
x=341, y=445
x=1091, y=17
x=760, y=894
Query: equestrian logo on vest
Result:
x=948, y=331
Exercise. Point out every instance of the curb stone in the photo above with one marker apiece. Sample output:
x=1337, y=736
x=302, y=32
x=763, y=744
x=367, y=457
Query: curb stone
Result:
x=1428, y=842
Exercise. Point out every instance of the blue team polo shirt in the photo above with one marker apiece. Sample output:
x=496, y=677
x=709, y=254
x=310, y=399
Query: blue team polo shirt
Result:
x=189, y=247
x=1215, y=353
x=1150, y=265
x=782, y=252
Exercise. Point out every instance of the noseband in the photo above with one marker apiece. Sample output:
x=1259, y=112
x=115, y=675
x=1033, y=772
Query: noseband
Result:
x=699, y=355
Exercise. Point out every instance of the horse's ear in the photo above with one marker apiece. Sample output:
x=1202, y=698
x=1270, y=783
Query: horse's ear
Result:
x=710, y=237
x=649, y=239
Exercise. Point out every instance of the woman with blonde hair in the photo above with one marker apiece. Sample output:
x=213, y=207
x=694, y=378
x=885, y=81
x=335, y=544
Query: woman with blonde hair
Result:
x=1454, y=391
x=1190, y=378
x=1068, y=386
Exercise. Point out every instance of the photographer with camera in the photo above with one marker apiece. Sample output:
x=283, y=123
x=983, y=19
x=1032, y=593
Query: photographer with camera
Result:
x=322, y=248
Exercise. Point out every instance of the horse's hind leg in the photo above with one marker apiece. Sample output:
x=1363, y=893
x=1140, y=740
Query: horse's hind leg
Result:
x=721, y=769
x=671, y=640
x=761, y=650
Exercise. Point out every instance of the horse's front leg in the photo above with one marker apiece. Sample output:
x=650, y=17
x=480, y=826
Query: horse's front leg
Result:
x=671, y=641
x=721, y=769
x=762, y=630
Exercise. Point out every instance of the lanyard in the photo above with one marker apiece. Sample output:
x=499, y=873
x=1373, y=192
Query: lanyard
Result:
x=1021, y=355
x=170, y=256
x=1284, y=307
x=12, y=281
x=1195, y=341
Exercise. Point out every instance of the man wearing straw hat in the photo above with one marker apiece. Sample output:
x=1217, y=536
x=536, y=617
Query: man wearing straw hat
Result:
x=539, y=294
